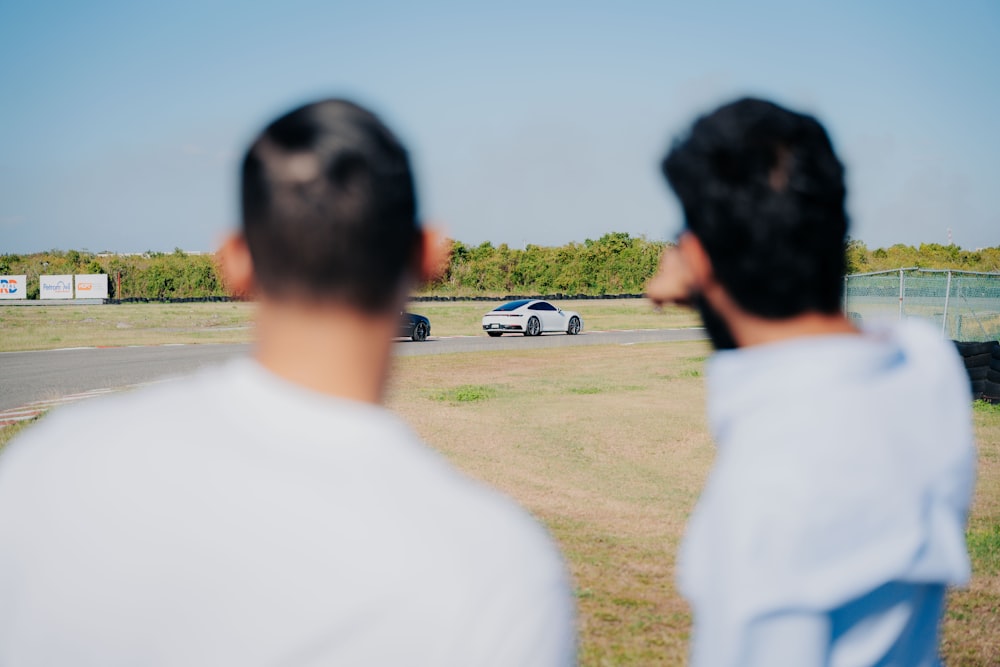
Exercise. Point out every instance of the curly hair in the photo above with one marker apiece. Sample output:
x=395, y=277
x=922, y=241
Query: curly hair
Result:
x=763, y=190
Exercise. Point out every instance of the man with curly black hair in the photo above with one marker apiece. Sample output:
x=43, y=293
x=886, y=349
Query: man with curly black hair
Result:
x=833, y=519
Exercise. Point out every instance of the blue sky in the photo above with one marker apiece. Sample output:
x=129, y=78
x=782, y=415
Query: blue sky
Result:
x=122, y=123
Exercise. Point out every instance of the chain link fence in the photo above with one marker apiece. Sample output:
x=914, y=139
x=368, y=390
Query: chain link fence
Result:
x=964, y=304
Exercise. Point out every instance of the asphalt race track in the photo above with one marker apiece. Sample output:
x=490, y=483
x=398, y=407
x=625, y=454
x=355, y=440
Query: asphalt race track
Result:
x=28, y=377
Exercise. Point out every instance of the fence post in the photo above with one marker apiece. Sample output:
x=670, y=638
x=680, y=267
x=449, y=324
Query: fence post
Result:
x=900, y=294
x=944, y=318
x=847, y=282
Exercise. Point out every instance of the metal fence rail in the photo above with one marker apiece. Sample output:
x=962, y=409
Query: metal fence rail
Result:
x=965, y=304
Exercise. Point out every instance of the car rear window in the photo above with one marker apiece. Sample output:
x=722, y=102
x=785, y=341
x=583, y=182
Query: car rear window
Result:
x=511, y=305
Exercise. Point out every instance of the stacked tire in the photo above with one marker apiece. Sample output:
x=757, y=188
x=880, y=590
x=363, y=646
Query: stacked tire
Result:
x=991, y=389
x=982, y=362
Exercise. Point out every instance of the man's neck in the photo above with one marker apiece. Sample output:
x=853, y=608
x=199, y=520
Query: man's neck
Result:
x=331, y=349
x=749, y=330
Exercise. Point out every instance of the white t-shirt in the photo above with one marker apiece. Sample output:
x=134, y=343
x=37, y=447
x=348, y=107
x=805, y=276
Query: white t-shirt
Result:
x=232, y=518
x=834, y=516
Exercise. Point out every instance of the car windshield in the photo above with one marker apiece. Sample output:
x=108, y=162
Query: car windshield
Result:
x=511, y=305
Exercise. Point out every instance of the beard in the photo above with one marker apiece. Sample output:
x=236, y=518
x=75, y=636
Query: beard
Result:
x=718, y=330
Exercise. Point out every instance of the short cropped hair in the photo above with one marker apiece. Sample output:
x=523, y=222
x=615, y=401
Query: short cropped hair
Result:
x=763, y=191
x=329, y=207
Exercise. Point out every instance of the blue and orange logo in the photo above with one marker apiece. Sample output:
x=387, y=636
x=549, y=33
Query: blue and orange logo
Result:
x=8, y=286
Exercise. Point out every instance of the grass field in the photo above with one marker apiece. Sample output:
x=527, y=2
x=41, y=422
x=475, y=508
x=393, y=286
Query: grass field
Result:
x=608, y=447
x=50, y=327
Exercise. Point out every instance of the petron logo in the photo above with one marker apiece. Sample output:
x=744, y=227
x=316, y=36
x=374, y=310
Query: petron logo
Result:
x=59, y=286
x=8, y=286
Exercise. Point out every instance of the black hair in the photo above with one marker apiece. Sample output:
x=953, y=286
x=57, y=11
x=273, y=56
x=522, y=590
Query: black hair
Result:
x=329, y=207
x=763, y=190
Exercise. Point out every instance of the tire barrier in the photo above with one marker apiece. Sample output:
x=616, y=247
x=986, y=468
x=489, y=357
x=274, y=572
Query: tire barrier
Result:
x=186, y=299
x=972, y=348
x=991, y=387
x=978, y=373
x=982, y=363
x=978, y=361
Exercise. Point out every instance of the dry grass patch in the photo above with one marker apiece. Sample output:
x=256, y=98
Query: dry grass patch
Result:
x=48, y=327
x=972, y=624
x=609, y=447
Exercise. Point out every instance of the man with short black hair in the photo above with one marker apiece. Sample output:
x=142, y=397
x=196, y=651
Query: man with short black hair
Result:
x=834, y=515
x=270, y=511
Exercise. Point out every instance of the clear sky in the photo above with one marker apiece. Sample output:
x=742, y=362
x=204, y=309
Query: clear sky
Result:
x=122, y=123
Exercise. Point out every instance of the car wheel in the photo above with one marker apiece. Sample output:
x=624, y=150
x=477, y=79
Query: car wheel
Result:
x=494, y=334
x=574, y=326
x=533, y=328
x=420, y=332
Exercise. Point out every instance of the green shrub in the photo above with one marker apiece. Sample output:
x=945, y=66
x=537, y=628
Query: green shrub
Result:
x=984, y=549
x=466, y=393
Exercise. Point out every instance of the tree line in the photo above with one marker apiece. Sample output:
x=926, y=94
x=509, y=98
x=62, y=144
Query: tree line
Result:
x=616, y=263
x=925, y=256
x=150, y=275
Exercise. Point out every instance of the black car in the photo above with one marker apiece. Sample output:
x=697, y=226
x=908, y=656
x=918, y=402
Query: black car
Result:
x=413, y=326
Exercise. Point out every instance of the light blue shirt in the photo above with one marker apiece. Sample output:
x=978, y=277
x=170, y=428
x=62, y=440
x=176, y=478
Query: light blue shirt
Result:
x=834, y=515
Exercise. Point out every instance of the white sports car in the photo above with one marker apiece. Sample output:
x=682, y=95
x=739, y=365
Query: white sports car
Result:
x=532, y=317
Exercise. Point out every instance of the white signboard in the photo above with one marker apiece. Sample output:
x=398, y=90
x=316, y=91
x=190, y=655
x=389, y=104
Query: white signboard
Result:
x=13, y=287
x=55, y=287
x=91, y=286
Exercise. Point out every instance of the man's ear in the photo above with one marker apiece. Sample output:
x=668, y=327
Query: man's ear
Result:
x=703, y=275
x=683, y=273
x=435, y=254
x=697, y=261
x=236, y=266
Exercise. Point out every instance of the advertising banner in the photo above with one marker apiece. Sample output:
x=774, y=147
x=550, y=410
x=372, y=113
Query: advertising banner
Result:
x=55, y=287
x=91, y=286
x=13, y=287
